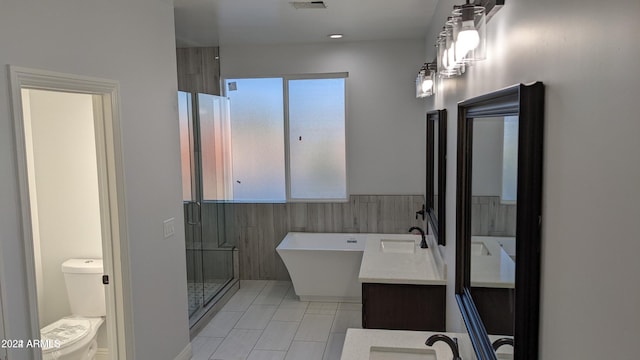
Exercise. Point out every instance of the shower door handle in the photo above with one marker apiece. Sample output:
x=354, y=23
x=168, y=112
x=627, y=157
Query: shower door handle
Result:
x=193, y=213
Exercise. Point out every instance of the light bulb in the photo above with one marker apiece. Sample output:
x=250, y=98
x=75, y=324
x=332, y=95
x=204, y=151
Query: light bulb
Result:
x=468, y=38
x=426, y=85
x=460, y=52
x=451, y=57
x=444, y=58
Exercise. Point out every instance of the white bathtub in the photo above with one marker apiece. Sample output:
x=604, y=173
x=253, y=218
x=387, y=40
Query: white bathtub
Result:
x=324, y=266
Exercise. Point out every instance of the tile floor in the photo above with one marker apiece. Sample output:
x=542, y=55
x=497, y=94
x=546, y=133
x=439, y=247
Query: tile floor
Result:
x=265, y=320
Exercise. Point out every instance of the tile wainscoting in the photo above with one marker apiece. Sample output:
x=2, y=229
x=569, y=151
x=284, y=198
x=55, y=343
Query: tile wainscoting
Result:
x=257, y=229
x=491, y=217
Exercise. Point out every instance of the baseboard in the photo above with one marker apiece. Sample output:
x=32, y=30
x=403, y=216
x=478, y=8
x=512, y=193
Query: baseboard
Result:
x=349, y=299
x=185, y=354
x=102, y=354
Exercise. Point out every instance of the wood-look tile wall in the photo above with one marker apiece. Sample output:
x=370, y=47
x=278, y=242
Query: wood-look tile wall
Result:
x=489, y=217
x=257, y=229
x=199, y=70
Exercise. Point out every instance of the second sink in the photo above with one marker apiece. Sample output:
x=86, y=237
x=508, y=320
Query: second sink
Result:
x=479, y=248
x=397, y=246
x=392, y=353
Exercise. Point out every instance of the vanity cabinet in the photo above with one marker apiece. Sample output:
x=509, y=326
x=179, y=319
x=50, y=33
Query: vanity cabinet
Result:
x=496, y=308
x=403, y=307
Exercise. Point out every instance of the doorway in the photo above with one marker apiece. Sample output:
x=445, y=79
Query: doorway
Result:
x=70, y=173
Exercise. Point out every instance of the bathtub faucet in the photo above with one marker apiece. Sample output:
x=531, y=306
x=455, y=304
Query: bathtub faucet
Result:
x=453, y=344
x=423, y=243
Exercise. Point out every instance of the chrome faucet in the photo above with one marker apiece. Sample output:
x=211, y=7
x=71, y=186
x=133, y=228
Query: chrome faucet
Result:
x=502, y=341
x=453, y=343
x=423, y=243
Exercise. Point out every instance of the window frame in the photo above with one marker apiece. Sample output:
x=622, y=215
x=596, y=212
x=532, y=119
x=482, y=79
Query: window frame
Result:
x=287, y=135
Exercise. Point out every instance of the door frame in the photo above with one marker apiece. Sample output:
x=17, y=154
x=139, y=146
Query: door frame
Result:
x=108, y=136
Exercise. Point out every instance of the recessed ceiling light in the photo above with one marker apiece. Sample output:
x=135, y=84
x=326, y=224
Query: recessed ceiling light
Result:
x=335, y=36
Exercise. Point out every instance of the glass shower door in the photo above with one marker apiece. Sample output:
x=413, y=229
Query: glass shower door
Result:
x=204, y=140
x=190, y=197
x=216, y=170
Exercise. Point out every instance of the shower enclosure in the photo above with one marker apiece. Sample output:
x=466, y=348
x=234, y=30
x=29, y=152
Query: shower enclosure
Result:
x=209, y=237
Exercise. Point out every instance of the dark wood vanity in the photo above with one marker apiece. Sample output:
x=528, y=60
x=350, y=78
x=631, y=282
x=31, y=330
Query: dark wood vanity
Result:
x=496, y=308
x=404, y=307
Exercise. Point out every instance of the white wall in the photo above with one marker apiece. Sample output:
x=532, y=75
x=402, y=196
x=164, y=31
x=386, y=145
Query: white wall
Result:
x=133, y=43
x=586, y=54
x=385, y=122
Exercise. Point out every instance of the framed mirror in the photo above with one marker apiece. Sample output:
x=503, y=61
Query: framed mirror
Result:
x=498, y=217
x=436, y=172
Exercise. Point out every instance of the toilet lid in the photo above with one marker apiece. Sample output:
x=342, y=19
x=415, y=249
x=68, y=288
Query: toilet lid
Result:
x=64, y=332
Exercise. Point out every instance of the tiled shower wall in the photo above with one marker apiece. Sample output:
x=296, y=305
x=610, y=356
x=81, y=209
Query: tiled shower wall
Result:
x=258, y=228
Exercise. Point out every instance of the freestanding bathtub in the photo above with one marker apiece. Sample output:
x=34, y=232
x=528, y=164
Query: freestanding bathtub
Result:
x=324, y=266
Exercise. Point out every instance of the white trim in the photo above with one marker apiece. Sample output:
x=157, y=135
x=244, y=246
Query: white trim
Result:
x=332, y=75
x=102, y=354
x=185, y=354
x=112, y=198
x=3, y=352
x=287, y=120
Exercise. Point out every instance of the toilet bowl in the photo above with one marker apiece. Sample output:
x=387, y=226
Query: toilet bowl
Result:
x=74, y=337
x=71, y=338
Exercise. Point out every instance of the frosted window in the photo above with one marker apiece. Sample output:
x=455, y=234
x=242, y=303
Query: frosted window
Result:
x=215, y=144
x=510, y=159
x=184, y=117
x=257, y=139
x=317, y=139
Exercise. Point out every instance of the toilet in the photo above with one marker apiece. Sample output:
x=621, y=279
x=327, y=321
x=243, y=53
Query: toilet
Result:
x=75, y=337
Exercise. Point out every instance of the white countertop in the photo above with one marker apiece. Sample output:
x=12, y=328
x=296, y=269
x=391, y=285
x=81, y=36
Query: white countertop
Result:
x=496, y=270
x=358, y=343
x=418, y=267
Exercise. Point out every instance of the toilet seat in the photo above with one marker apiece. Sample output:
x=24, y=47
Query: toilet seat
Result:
x=70, y=335
x=64, y=333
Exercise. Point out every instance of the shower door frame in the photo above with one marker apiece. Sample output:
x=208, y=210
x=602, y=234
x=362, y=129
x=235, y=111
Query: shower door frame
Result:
x=193, y=208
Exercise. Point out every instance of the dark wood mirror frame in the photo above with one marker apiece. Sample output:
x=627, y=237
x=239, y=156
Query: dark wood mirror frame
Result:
x=437, y=221
x=527, y=102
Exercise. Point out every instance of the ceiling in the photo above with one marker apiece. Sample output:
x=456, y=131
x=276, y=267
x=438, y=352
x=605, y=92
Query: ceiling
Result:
x=232, y=22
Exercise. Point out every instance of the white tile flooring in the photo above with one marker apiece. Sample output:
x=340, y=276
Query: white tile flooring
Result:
x=265, y=320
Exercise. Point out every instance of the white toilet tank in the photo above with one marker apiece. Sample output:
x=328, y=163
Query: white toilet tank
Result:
x=85, y=290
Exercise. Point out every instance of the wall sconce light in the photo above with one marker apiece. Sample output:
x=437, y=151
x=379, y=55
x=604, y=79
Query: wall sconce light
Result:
x=469, y=33
x=447, y=65
x=462, y=40
x=425, y=81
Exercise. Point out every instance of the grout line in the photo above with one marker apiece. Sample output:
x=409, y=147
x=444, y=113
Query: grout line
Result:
x=325, y=349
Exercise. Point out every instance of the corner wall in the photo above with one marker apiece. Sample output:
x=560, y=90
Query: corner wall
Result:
x=586, y=54
x=132, y=43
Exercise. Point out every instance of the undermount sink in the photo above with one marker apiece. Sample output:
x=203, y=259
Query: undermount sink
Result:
x=393, y=353
x=479, y=248
x=397, y=246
